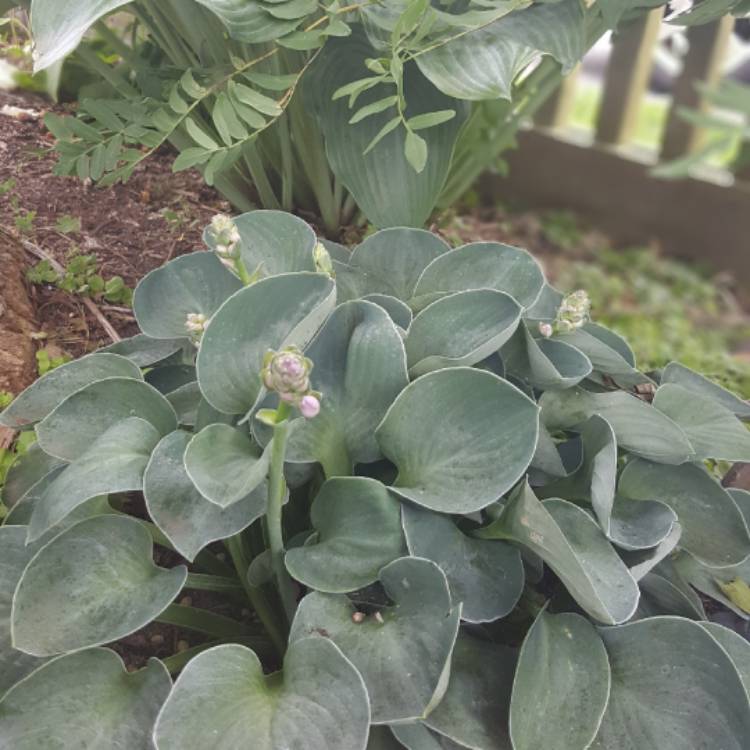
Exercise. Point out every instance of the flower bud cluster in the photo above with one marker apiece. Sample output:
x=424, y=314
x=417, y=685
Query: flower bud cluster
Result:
x=227, y=239
x=196, y=323
x=574, y=312
x=322, y=260
x=287, y=372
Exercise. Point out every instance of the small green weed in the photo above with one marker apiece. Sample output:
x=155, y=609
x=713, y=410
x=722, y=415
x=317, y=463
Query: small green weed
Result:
x=45, y=362
x=67, y=224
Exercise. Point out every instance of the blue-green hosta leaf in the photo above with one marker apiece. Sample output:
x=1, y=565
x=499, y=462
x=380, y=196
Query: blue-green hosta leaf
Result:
x=273, y=242
x=272, y=313
x=713, y=430
x=392, y=260
x=419, y=737
x=40, y=398
x=640, y=524
x=660, y=596
x=460, y=329
x=169, y=378
x=573, y=545
x=638, y=427
x=318, y=702
x=185, y=517
x=27, y=471
x=59, y=25
x=385, y=186
x=474, y=710
x=483, y=64
x=613, y=11
x=562, y=671
x=360, y=368
x=678, y=374
x=115, y=462
x=358, y=525
x=713, y=528
x=486, y=576
x=481, y=265
x=402, y=651
x=14, y=665
x=186, y=401
x=224, y=465
x=660, y=667
x=474, y=438
x=94, y=583
x=736, y=646
x=547, y=364
x=193, y=283
x=642, y=561
x=144, y=351
x=84, y=700
x=248, y=20
x=399, y=312
x=70, y=430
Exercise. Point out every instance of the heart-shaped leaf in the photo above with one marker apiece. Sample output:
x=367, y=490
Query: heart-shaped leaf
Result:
x=736, y=646
x=358, y=526
x=114, y=463
x=562, y=671
x=284, y=310
x=474, y=710
x=713, y=528
x=486, y=576
x=638, y=427
x=318, y=702
x=678, y=374
x=40, y=398
x=474, y=437
x=185, y=517
x=481, y=265
x=273, y=242
x=95, y=409
x=25, y=473
x=94, y=583
x=460, y=329
x=713, y=430
x=661, y=666
x=197, y=283
x=573, y=545
x=402, y=651
x=84, y=700
x=224, y=465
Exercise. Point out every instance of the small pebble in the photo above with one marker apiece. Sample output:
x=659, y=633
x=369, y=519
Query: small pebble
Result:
x=186, y=601
x=157, y=639
x=182, y=646
x=358, y=617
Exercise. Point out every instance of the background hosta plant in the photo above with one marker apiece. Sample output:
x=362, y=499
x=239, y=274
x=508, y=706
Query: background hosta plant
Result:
x=389, y=106
x=434, y=504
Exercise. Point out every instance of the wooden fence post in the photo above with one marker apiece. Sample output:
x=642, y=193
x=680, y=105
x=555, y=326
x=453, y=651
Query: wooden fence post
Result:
x=556, y=111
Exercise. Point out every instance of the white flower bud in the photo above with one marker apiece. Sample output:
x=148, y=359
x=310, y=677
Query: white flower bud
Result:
x=546, y=330
x=196, y=323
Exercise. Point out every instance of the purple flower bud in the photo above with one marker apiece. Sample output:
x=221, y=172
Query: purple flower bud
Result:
x=309, y=406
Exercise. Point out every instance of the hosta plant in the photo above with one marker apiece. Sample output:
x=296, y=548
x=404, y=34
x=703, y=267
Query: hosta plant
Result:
x=385, y=105
x=423, y=501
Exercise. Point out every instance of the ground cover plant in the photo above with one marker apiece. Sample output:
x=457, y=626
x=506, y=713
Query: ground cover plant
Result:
x=295, y=104
x=458, y=513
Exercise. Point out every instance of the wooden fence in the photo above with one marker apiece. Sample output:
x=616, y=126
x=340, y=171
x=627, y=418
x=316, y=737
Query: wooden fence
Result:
x=605, y=178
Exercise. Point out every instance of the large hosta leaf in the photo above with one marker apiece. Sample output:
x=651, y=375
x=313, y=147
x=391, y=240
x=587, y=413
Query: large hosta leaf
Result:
x=474, y=711
x=562, y=672
x=460, y=329
x=114, y=463
x=481, y=265
x=358, y=525
x=639, y=427
x=26, y=472
x=224, y=465
x=15, y=556
x=736, y=646
x=69, y=431
x=573, y=545
x=486, y=576
x=402, y=650
x=144, y=351
x=40, y=398
x=273, y=242
x=673, y=687
x=386, y=187
x=713, y=528
x=84, y=700
x=360, y=368
x=474, y=438
x=94, y=583
x=59, y=25
x=274, y=312
x=678, y=374
x=713, y=430
x=187, y=519
x=483, y=64
x=318, y=702
x=194, y=283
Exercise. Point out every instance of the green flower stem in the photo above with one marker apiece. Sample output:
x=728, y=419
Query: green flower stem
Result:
x=204, y=621
x=276, y=492
x=204, y=582
x=258, y=599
